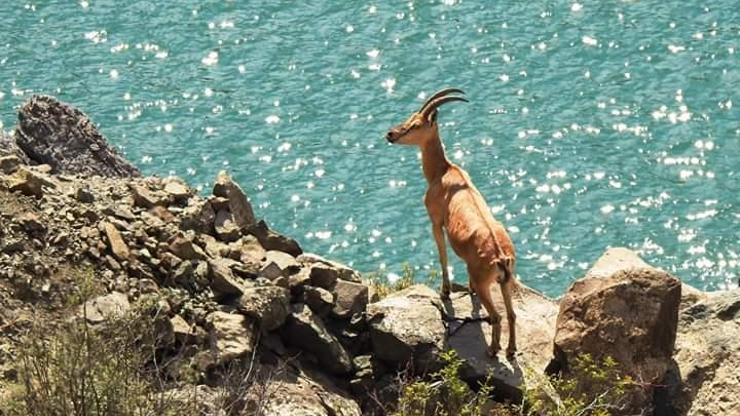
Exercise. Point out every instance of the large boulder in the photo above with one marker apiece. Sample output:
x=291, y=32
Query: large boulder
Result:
x=469, y=333
x=624, y=309
x=61, y=136
x=305, y=330
x=707, y=379
x=407, y=327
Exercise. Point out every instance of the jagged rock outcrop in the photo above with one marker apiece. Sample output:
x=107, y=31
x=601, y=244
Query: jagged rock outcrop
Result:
x=706, y=380
x=623, y=309
x=53, y=133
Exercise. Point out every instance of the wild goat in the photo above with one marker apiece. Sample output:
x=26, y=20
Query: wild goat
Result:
x=454, y=204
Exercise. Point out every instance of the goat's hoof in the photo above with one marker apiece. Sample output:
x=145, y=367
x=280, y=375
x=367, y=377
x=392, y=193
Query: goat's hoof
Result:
x=511, y=352
x=492, y=352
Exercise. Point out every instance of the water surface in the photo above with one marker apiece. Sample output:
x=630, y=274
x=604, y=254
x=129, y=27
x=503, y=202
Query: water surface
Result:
x=591, y=124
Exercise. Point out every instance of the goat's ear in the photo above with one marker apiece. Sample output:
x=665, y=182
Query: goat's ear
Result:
x=432, y=118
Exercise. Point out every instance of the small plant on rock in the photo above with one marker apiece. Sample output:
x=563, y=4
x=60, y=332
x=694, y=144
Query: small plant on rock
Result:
x=592, y=388
x=444, y=393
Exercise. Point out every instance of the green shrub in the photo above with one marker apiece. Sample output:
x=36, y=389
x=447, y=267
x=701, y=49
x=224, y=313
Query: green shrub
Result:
x=73, y=368
x=592, y=388
x=443, y=394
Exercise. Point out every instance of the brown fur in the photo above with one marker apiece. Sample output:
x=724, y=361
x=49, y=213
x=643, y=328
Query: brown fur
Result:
x=454, y=205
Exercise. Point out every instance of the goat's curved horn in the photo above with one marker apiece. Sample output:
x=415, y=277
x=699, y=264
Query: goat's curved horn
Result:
x=438, y=94
x=438, y=102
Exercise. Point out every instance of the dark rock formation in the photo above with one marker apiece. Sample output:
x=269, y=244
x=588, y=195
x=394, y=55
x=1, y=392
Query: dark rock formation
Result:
x=51, y=132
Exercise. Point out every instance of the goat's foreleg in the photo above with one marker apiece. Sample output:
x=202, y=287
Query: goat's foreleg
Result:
x=439, y=237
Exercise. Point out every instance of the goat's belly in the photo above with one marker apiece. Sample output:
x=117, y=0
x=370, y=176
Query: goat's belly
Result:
x=481, y=244
x=463, y=237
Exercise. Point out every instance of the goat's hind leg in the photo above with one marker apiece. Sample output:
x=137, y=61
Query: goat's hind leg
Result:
x=506, y=288
x=483, y=288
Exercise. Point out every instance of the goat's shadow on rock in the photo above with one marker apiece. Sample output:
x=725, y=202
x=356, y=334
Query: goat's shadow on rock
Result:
x=467, y=323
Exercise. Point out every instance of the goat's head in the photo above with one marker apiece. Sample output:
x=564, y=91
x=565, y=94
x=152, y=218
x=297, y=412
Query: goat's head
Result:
x=423, y=123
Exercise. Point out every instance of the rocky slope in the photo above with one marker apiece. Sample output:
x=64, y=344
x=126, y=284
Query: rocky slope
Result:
x=233, y=290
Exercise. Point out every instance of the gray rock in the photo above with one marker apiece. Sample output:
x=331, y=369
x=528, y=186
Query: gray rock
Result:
x=232, y=336
x=182, y=246
x=184, y=333
x=143, y=197
x=351, y=298
x=225, y=226
x=406, y=326
x=117, y=246
x=84, y=195
x=323, y=276
x=29, y=182
x=239, y=207
x=285, y=263
x=63, y=137
x=223, y=281
x=706, y=380
x=251, y=250
x=269, y=305
x=112, y=305
x=198, y=216
x=298, y=281
x=177, y=191
x=340, y=270
x=319, y=300
x=305, y=330
x=8, y=147
x=271, y=240
x=9, y=164
x=301, y=392
x=271, y=271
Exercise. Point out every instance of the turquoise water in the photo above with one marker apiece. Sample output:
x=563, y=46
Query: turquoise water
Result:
x=591, y=124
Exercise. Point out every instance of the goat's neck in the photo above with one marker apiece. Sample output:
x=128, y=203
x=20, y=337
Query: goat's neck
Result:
x=433, y=160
